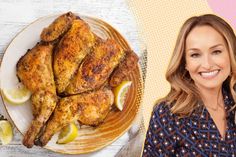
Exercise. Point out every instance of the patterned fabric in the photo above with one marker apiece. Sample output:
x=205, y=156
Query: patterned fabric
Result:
x=196, y=135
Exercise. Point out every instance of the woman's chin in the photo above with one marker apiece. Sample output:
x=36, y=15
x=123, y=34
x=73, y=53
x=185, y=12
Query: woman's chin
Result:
x=210, y=85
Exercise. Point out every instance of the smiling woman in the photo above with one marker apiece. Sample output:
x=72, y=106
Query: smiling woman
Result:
x=197, y=115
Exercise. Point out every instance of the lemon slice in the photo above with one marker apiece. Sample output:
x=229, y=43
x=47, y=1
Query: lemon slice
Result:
x=6, y=132
x=68, y=134
x=120, y=94
x=18, y=95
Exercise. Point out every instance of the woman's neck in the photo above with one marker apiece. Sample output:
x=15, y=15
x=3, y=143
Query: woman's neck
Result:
x=211, y=97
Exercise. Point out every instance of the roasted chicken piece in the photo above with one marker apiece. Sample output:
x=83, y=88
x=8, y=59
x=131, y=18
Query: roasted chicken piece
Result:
x=59, y=26
x=95, y=106
x=125, y=67
x=96, y=67
x=34, y=70
x=89, y=108
x=72, y=49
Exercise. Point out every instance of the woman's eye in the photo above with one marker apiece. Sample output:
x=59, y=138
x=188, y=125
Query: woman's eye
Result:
x=194, y=55
x=217, y=52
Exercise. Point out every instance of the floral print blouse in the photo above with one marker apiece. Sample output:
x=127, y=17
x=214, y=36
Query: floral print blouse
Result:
x=196, y=135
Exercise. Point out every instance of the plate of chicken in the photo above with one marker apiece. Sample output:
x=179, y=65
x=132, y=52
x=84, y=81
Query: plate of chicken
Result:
x=71, y=63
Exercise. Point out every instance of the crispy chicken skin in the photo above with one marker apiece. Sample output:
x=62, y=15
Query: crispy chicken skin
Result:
x=59, y=26
x=125, y=67
x=95, y=106
x=96, y=67
x=89, y=108
x=34, y=70
x=71, y=50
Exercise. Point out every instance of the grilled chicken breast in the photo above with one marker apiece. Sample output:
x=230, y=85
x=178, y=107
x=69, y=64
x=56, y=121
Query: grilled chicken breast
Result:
x=96, y=67
x=71, y=50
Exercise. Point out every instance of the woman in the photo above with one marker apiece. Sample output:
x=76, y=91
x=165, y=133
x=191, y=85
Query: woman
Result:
x=196, y=118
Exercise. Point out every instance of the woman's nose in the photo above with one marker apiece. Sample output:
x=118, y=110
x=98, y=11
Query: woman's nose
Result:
x=207, y=62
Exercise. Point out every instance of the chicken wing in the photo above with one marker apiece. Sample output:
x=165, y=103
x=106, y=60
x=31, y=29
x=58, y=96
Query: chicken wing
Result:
x=89, y=108
x=124, y=68
x=34, y=70
x=59, y=26
x=96, y=67
x=72, y=49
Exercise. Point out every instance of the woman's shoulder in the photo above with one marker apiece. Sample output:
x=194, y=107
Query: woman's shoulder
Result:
x=163, y=105
x=162, y=109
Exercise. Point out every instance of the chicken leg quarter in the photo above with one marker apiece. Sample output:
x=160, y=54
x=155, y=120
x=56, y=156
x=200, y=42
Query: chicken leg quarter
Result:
x=88, y=108
x=34, y=69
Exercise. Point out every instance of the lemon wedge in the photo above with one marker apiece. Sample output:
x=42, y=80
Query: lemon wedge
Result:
x=6, y=132
x=68, y=134
x=120, y=94
x=18, y=95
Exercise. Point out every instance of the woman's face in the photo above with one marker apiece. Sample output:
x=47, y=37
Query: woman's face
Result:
x=207, y=57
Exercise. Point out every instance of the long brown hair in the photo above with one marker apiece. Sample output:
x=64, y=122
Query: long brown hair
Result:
x=183, y=94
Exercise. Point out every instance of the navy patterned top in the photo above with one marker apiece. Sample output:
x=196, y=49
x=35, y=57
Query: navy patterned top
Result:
x=196, y=135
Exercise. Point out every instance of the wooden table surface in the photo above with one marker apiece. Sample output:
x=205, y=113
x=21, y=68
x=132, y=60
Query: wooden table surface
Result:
x=16, y=15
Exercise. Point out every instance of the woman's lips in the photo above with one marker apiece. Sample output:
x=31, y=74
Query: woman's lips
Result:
x=209, y=74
